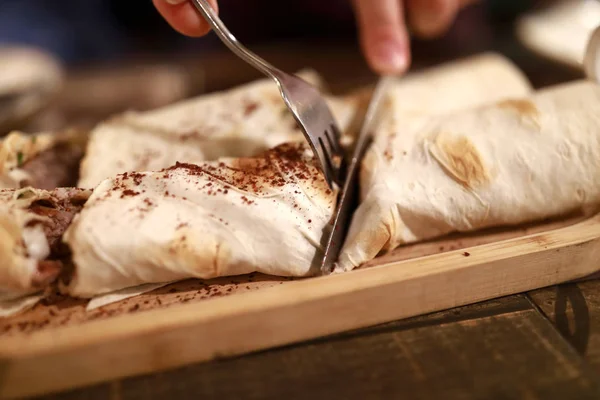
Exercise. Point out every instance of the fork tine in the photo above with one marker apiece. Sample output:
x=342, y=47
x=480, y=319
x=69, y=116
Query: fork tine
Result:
x=333, y=136
x=326, y=154
x=336, y=132
x=329, y=165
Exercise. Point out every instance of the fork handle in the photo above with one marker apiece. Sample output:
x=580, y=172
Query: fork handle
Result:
x=230, y=41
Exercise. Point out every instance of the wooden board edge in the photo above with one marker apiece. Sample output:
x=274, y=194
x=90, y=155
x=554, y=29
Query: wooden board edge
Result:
x=155, y=340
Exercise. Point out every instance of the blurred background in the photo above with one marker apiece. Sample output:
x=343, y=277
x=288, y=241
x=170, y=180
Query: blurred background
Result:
x=120, y=54
x=100, y=30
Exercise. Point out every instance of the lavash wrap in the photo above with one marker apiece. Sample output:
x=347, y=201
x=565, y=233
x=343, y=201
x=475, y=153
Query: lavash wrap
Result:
x=397, y=162
x=240, y=122
x=560, y=31
x=515, y=161
x=228, y=217
x=18, y=149
x=24, y=244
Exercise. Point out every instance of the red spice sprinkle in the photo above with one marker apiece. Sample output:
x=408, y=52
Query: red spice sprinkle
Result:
x=250, y=108
x=466, y=254
x=129, y=192
x=274, y=168
x=137, y=178
x=148, y=201
x=247, y=201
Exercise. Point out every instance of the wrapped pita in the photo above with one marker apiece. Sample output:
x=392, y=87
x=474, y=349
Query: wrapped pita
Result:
x=515, y=161
x=43, y=160
x=221, y=218
x=240, y=122
x=29, y=79
x=560, y=31
x=412, y=101
x=32, y=222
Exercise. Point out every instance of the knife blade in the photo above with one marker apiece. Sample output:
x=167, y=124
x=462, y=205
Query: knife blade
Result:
x=348, y=200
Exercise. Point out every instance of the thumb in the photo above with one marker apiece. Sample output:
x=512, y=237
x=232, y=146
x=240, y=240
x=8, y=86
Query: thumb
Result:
x=183, y=16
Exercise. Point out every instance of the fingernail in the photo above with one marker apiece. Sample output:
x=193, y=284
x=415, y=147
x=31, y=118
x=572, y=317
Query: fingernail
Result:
x=390, y=57
x=427, y=25
x=175, y=2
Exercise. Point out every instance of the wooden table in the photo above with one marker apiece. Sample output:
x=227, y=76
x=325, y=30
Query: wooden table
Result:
x=539, y=345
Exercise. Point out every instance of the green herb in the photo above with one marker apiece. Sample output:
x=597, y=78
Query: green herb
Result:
x=33, y=139
x=19, y=158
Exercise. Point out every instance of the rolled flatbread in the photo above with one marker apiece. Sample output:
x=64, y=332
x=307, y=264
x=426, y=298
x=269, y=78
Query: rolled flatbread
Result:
x=29, y=79
x=412, y=101
x=24, y=69
x=222, y=218
x=241, y=122
x=43, y=160
x=560, y=31
x=32, y=222
x=518, y=160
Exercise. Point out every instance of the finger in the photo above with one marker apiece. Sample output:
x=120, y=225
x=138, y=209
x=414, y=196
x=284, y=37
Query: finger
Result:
x=383, y=35
x=183, y=16
x=464, y=3
x=431, y=18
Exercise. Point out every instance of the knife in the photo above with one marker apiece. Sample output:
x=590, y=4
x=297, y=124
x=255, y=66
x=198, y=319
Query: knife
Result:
x=348, y=203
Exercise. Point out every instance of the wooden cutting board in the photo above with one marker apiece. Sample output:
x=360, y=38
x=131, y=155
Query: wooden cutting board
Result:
x=57, y=345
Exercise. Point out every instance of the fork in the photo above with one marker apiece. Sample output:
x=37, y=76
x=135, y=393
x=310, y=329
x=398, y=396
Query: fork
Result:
x=302, y=99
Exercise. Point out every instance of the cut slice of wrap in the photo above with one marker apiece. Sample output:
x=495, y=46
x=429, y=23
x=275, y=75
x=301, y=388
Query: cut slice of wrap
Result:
x=32, y=254
x=411, y=102
x=228, y=217
x=240, y=122
x=518, y=160
x=43, y=160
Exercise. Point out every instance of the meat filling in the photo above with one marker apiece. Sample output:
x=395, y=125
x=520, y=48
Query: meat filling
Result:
x=59, y=213
x=55, y=167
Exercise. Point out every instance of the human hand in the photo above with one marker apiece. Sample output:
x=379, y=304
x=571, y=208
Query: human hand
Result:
x=183, y=16
x=383, y=25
